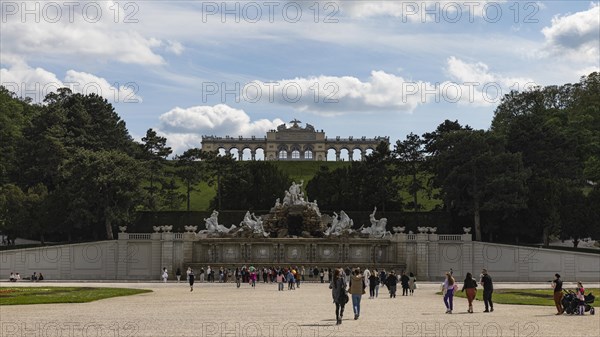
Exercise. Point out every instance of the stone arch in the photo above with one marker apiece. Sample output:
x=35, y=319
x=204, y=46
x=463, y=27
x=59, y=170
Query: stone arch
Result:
x=282, y=152
x=295, y=152
x=344, y=154
x=259, y=154
x=308, y=153
x=357, y=154
x=332, y=154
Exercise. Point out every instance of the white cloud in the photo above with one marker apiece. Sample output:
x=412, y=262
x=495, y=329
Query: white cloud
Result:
x=174, y=47
x=104, y=30
x=332, y=95
x=576, y=36
x=418, y=11
x=478, y=85
x=184, y=128
x=35, y=83
x=469, y=83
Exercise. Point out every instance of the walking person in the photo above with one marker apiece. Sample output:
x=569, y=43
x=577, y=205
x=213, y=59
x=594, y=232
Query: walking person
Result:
x=165, y=275
x=187, y=274
x=404, y=281
x=238, y=277
x=470, y=285
x=412, y=283
x=488, y=289
x=322, y=275
x=178, y=274
x=339, y=294
x=357, y=289
x=373, y=284
x=558, y=293
x=191, y=278
x=392, y=282
x=449, y=286
x=280, y=280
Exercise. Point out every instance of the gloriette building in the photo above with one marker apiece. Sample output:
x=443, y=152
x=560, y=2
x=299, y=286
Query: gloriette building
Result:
x=294, y=143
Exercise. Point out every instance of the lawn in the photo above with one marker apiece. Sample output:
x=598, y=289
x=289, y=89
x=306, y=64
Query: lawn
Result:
x=45, y=295
x=521, y=296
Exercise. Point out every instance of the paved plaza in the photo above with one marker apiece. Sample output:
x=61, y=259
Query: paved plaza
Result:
x=223, y=310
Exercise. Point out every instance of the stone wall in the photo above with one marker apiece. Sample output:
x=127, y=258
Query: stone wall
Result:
x=141, y=256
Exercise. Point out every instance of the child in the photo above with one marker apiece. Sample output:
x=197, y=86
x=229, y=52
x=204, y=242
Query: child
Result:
x=280, y=280
x=581, y=298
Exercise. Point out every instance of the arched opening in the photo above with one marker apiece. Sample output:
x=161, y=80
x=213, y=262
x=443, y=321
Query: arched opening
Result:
x=344, y=155
x=260, y=154
x=295, y=155
x=357, y=155
x=308, y=155
x=246, y=154
x=331, y=155
x=222, y=152
x=235, y=153
x=282, y=155
x=368, y=152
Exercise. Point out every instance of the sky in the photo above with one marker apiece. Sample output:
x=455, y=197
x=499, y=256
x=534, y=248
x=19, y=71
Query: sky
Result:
x=350, y=68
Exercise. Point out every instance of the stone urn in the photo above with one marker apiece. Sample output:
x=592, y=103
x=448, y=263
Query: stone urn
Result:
x=122, y=229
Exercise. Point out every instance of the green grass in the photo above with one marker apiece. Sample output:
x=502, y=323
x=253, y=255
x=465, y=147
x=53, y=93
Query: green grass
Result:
x=542, y=297
x=45, y=295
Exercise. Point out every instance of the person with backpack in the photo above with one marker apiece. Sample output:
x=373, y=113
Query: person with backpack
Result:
x=449, y=287
x=357, y=289
x=339, y=294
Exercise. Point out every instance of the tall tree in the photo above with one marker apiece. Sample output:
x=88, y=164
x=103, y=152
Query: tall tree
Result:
x=105, y=183
x=476, y=174
x=411, y=155
x=189, y=169
x=156, y=152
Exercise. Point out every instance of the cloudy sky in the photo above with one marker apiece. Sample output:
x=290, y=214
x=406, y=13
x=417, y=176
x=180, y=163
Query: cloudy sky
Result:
x=351, y=68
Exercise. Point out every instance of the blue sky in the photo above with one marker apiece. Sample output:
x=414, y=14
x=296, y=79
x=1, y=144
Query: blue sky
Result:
x=363, y=68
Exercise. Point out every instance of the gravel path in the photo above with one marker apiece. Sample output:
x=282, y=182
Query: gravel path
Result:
x=223, y=310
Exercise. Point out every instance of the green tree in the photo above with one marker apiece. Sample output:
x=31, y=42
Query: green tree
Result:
x=190, y=170
x=411, y=156
x=155, y=151
x=219, y=166
x=476, y=174
x=106, y=184
x=252, y=185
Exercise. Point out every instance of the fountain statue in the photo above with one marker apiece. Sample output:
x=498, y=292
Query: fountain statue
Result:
x=253, y=224
x=212, y=224
x=339, y=226
x=377, y=229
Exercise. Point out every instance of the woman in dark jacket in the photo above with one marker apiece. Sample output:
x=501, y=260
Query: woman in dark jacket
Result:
x=339, y=294
x=404, y=280
x=470, y=285
x=391, y=283
x=373, y=283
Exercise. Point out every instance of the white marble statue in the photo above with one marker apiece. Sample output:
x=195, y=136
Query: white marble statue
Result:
x=342, y=225
x=212, y=224
x=377, y=229
x=253, y=223
x=294, y=195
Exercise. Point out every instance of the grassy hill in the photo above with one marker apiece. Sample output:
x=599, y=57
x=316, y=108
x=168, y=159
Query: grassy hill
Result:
x=203, y=194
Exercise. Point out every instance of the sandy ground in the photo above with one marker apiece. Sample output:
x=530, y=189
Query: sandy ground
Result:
x=223, y=310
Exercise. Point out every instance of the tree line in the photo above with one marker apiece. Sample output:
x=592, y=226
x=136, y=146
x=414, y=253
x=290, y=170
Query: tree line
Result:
x=70, y=170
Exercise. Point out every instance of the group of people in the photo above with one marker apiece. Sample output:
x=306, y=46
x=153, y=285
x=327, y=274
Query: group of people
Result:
x=450, y=287
x=390, y=280
x=557, y=285
x=15, y=277
x=354, y=283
